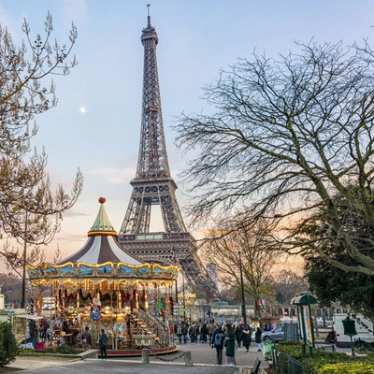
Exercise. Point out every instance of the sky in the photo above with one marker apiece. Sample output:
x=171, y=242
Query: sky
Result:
x=197, y=38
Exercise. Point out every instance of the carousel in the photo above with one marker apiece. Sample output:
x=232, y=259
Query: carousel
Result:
x=102, y=287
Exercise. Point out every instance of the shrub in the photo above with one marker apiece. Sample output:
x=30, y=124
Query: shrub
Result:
x=313, y=363
x=347, y=368
x=294, y=350
x=8, y=345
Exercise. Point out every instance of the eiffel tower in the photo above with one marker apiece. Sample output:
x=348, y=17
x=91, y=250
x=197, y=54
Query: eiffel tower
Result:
x=153, y=185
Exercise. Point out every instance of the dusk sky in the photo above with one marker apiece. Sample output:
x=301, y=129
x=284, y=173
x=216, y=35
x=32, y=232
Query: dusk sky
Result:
x=197, y=38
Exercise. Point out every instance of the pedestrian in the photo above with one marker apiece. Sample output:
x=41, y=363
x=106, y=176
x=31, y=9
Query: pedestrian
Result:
x=246, y=337
x=230, y=344
x=204, y=333
x=211, y=329
x=179, y=333
x=44, y=329
x=184, y=332
x=198, y=333
x=258, y=339
x=218, y=339
x=103, y=341
x=86, y=338
x=192, y=333
x=239, y=334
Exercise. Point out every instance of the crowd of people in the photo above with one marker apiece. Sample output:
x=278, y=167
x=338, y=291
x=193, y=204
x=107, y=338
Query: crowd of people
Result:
x=222, y=337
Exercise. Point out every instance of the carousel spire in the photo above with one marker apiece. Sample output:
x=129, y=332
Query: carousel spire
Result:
x=102, y=224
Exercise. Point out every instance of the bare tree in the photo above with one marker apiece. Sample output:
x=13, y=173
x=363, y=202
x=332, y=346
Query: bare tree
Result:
x=287, y=284
x=247, y=248
x=24, y=93
x=29, y=210
x=283, y=138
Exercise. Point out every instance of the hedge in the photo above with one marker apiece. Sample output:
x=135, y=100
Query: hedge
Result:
x=8, y=345
x=347, y=368
x=327, y=363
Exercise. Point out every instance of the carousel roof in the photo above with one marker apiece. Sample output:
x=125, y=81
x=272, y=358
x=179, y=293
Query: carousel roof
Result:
x=101, y=257
x=102, y=244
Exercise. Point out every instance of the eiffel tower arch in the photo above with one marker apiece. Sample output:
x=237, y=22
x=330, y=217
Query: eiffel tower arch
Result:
x=153, y=185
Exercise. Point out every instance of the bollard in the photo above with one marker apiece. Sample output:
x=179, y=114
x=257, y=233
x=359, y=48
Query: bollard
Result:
x=145, y=355
x=188, y=358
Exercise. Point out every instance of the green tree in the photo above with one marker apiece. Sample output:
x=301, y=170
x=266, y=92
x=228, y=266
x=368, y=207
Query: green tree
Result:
x=8, y=345
x=326, y=281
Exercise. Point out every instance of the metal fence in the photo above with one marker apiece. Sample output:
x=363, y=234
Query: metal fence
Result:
x=285, y=364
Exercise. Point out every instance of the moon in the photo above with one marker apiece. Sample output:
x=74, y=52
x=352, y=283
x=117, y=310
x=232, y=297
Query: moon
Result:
x=82, y=109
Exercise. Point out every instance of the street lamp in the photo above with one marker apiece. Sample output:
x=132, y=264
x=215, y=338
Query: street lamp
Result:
x=23, y=300
x=184, y=299
x=244, y=312
x=176, y=278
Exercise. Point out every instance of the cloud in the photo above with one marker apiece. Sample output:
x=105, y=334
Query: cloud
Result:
x=74, y=213
x=113, y=175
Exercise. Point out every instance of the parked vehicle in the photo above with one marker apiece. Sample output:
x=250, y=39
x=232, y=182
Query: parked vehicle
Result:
x=276, y=335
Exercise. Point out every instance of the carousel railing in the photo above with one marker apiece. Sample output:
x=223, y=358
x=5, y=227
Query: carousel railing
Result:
x=160, y=328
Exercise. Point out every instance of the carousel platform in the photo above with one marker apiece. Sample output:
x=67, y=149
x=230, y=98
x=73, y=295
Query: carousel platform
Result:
x=154, y=351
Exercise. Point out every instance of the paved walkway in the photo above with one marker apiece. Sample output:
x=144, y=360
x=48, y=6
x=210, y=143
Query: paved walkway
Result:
x=38, y=362
x=117, y=367
x=201, y=354
x=204, y=354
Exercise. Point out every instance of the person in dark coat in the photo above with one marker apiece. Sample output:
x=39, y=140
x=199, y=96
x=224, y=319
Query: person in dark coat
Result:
x=218, y=339
x=239, y=334
x=246, y=337
x=258, y=339
x=193, y=334
x=204, y=333
x=230, y=345
x=179, y=332
x=184, y=332
x=103, y=342
x=86, y=338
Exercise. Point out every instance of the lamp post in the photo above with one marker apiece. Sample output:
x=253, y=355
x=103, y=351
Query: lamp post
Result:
x=184, y=299
x=244, y=312
x=23, y=300
x=301, y=300
x=176, y=278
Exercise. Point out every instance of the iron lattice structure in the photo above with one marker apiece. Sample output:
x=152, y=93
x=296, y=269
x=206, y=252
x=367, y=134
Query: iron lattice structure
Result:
x=153, y=185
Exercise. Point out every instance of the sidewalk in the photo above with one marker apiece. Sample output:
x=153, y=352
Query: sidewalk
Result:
x=35, y=363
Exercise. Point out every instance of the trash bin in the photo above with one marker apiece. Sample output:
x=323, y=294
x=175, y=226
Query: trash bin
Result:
x=268, y=347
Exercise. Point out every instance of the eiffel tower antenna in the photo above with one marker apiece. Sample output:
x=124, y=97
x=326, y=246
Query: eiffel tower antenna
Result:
x=148, y=15
x=153, y=185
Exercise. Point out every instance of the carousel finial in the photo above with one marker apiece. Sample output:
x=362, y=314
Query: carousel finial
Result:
x=102, y=200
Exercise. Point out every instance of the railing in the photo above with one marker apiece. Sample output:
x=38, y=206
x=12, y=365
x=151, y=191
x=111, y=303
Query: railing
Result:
x=155, y=236
x=285, y=364
x=282, y=363
x=159, y=328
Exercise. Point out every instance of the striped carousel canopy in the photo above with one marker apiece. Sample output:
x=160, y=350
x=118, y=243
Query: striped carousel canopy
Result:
x=102, y=244
x=101, y=257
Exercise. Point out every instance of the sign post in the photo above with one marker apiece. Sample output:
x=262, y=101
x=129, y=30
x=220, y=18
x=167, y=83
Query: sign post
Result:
x=350, y=330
